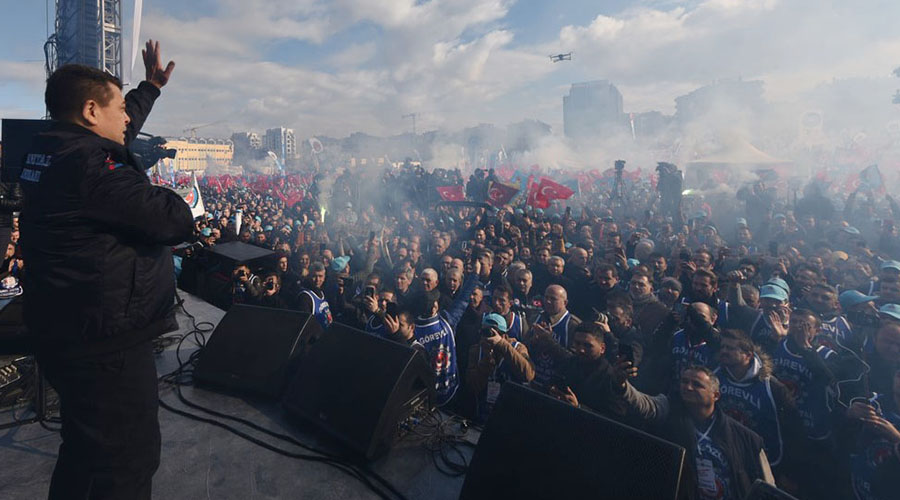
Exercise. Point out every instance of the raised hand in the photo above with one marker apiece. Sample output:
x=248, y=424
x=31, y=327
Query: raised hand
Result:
x=156, y=75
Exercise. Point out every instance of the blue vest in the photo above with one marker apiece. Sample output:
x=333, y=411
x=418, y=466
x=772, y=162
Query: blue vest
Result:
x=712, y=453
x=543, y=363
x=835, y=334
x=685, y=354
x=515, y=327
x=560, y=329
x=810, y=395
x=320, y=308
x=752, y=404
x=871, y=451
x=436, y=336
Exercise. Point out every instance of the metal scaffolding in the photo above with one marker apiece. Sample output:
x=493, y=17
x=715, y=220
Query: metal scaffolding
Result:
x=87, y=32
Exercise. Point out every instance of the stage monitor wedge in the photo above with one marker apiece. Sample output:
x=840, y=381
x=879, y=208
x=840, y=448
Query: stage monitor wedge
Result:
x=363, y=390
x=537, y=447
x=253, y=349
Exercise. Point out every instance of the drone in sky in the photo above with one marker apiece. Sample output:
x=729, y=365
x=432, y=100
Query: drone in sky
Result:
x=561, y=57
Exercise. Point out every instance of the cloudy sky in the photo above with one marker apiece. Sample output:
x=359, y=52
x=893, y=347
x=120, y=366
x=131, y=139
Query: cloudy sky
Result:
x=332, y=67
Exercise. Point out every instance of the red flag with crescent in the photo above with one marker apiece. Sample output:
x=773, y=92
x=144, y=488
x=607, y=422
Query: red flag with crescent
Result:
x=451, y=193
x=500, y=194
x=548, y=190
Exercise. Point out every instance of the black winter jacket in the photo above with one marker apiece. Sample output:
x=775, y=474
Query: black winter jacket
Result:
x=96, y=239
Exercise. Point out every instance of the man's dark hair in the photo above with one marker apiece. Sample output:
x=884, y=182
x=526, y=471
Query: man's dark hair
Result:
x=423, y=302
x=591, y=329
x=70, y=86
x=707, y=274
x=503, y=288
x=604, y=267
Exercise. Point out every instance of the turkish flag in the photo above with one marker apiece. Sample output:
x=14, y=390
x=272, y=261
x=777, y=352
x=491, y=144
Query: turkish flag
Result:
x=548, y=190
x=499, y=194
x=451, y=193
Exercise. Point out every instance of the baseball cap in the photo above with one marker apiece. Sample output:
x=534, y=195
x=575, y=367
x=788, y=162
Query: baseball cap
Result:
x=494, y=320
x=850, y=230
x=742, y=221
x=206, y=231
x=339, y=263
x=780, y=283
x=779, y=216
x=890, y=264
x=773, y=292
x=892, y=310
x=268, y=228
x=851, y=298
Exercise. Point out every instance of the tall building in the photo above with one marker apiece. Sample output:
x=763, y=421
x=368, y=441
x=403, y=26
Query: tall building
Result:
x=246, y=145
x=734, y=97
x=281, y=141
x=592, y=109
x=88, y=32
x=198, y=154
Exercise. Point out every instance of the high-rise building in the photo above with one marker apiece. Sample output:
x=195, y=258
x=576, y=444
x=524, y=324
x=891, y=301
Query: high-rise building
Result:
x=734, y=97
x=592, y=109
x=281, y=141
x=246, y=145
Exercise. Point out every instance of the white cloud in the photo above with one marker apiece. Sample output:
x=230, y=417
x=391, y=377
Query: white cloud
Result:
x=457, y=62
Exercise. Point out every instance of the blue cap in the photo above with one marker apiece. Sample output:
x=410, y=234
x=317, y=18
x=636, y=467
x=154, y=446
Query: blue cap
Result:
x=539, y=211
x=851, y=298
x=773, y=292
x=890, y=264
x=206, y=231
x=519, y=211
x=780, y=283
x=892, y=310
x=268, y=228
x=286, y=228
x=494, y=320
x=850, y=230
x=257, y=218
x=633, y=262
x=339, y=263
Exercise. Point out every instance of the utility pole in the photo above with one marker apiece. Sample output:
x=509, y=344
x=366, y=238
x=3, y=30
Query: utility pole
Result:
x=413, y=116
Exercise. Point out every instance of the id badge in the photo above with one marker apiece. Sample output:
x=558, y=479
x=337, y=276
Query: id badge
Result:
x=493, y=390
x=706, y=476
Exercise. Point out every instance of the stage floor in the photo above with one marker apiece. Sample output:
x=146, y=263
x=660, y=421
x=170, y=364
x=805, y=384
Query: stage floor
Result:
x=200, y=460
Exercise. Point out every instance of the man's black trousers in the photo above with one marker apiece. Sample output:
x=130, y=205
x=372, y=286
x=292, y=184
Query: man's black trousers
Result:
x=110, y=426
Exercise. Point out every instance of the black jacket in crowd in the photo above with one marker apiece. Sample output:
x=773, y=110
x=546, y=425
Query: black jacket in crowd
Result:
x=96, y=236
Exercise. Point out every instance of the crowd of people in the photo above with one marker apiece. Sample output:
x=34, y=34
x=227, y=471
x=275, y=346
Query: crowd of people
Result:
x=761, y=333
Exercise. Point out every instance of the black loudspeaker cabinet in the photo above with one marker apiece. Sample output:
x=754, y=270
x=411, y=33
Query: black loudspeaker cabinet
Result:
x=536, y=447
x=762, y=490
x=253, y=349
x=361, y=389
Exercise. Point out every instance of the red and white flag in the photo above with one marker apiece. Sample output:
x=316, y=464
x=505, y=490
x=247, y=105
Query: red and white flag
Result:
x=451, y=193
x=500, y=194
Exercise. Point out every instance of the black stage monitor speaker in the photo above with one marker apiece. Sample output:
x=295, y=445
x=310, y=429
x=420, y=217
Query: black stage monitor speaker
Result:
x=762, y=490
x=253, y=347
x=536, y=447
x=364, y=390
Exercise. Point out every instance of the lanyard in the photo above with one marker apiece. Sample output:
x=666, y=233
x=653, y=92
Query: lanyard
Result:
x=704, y=435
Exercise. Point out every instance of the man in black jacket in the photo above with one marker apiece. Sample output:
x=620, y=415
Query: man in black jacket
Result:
x=97, y=236
x=723, y=457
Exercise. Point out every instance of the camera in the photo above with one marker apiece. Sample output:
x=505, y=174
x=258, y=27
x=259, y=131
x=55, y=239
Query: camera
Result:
x=150, y=149
x=487, y=332
x=270, y=285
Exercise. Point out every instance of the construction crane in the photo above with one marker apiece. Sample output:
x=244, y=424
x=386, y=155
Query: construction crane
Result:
x=193, y=130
